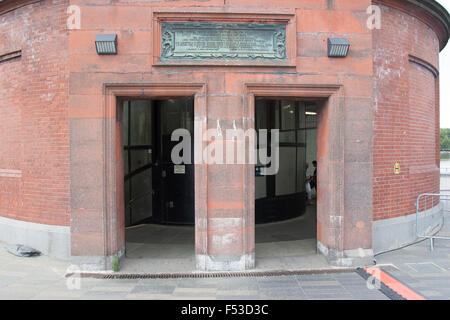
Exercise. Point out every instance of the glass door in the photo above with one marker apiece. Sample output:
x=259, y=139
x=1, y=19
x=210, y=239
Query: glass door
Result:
x=138, y=160
x=157, y=190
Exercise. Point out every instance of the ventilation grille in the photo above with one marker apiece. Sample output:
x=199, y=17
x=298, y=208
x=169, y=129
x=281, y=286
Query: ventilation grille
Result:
x=209, y=274
x=104, y=47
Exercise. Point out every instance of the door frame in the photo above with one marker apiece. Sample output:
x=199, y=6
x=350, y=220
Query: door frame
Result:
x=330, y=207
x=106, y=238
x=113, y=215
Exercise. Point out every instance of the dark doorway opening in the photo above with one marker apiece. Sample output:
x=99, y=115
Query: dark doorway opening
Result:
x=283, y=195
x=156, y=189
x=158, y=194
x=286, y=218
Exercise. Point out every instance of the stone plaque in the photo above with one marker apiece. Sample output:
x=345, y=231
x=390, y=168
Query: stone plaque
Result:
x=205, y=40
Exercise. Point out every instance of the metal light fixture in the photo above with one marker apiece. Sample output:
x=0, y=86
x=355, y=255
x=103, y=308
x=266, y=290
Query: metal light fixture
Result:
x=106, y=43
x=338, y=47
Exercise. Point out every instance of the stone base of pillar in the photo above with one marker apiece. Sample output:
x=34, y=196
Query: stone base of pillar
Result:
x=347, y=258
x=95, y=263
x=225, y=262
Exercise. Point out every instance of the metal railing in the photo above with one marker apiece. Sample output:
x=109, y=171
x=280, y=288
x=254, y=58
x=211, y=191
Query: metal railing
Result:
x=439, y=202
x=445, y=170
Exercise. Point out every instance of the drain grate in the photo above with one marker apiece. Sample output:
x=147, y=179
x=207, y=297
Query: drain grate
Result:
x=276, y=273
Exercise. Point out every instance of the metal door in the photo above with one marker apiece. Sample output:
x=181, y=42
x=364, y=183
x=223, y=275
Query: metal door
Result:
x=173, y=184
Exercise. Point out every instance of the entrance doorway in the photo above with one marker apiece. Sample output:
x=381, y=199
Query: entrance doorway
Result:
x=158, y=194
x=283, y=195
x=156, y=189
x=286, y=202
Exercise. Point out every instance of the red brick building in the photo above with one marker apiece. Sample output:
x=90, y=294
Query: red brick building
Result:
x=62, y=118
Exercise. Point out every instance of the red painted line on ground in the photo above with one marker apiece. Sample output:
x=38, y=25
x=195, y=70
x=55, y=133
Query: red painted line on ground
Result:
x=394, y=284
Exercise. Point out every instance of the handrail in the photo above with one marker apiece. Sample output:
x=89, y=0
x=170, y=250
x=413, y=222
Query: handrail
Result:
x=440, y=197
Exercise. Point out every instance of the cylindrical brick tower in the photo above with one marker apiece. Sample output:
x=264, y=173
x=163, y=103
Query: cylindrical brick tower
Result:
x=34, y=139
x=406, y=116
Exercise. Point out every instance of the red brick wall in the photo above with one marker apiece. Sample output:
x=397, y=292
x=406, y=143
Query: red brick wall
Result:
x=405, y=113
x=34, y=112
x=228, y=211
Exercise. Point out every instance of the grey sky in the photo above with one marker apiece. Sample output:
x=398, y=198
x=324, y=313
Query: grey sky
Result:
x=445, y=78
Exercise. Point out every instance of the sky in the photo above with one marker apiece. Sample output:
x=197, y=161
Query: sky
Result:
x=445, y=78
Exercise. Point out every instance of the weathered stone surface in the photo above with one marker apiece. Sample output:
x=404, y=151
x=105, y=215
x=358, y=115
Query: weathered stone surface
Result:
x=201, y=40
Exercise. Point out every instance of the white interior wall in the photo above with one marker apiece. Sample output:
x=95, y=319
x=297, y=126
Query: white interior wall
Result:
x=311, y=148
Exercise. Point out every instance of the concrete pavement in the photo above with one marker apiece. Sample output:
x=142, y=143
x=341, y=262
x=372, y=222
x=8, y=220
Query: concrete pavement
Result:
x=424, y=271
x=43, y=278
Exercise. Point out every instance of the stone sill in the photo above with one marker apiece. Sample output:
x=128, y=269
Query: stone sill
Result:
x=226, y=63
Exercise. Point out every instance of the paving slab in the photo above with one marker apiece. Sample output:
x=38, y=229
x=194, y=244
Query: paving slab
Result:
x=41, y=277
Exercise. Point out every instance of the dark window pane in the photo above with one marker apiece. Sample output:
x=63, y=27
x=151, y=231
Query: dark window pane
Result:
x=125, y=122
x=287, y=136
x=287, y=115
x=285, y=179
x=125, y=162
x=140, y=122
x=140, y=158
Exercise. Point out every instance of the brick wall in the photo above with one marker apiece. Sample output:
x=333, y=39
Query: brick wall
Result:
x=49, y=93
x=405, y=113
x=228, y=209
x=33, y=114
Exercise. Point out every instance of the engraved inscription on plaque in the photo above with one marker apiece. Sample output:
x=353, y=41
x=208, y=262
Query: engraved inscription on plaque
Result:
x=204, y=40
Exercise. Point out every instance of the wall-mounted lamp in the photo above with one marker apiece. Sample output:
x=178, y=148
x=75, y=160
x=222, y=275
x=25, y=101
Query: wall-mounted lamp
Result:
x=338, y=47
x=106, y=43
